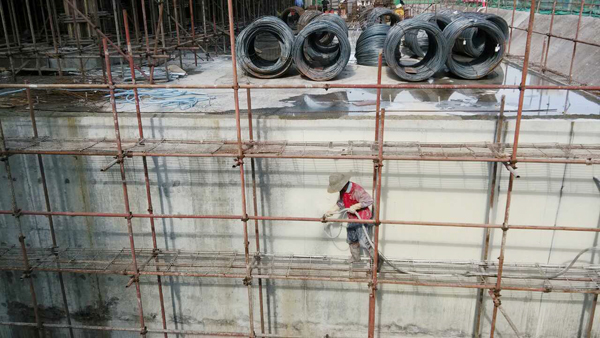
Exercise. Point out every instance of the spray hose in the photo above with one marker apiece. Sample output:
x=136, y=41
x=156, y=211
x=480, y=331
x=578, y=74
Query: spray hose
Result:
x=465, y=274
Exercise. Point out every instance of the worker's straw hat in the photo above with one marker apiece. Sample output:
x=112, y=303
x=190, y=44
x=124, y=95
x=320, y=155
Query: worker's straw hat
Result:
x=337, y=181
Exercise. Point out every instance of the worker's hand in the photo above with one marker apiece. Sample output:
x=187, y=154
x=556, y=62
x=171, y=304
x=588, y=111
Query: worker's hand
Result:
x=327, y=215
x=331, y=211
x=355, y=207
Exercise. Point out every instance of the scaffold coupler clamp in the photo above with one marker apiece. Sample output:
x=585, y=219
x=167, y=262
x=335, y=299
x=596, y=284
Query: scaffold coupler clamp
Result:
x=17, y=213
x=377, y=164
x=130, y=216
x=133, y=279
x=238, y=161
x=247, y=280
x=26, y=273
x=495, y=293
x=144, y=331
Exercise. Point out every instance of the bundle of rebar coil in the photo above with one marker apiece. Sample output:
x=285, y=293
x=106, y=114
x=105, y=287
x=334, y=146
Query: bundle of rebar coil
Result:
x=378, y=15
x=418, y=70
x=483, y=58
x=291, y=16
x=322, y=50
x=264, y=33
x=476, y=44
x=370, y=43
x=306, y=18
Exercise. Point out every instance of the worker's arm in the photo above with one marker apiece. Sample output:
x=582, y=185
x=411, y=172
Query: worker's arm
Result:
x=364, y=199
x=333, y=210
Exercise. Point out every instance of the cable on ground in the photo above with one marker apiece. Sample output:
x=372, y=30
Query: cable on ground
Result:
x=182, y=99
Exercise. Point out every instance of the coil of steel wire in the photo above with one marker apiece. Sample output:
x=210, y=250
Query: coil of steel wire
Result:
x=254, y=42
x=424, y=68
x=291, y=16
x=316, y=65
x=496, y=20
x=416, y=41
x=493, y=50
x=370, y=43
x=333, y=18
x=379, y=15
x=324, y=43
x=306, y=18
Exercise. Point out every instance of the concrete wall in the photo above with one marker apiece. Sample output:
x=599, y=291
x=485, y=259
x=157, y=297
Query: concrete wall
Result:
x=420, y=191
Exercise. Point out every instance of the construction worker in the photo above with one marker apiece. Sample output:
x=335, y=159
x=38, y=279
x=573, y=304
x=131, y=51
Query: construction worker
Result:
x=400, y=9
x=354, y=198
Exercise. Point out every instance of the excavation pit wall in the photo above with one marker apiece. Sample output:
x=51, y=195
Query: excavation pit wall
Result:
x=546, y=194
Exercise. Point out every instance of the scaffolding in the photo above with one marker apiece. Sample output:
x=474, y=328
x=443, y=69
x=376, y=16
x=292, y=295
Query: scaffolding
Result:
x=255, y=266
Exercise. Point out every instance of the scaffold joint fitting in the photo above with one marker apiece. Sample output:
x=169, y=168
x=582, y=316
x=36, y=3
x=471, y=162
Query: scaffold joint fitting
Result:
x=26, y=274
x=144, y=331
x=132, y=280
x=17, y=213
x=237, y=162
x=247, y=281
x=245, y=218
x=130, y=216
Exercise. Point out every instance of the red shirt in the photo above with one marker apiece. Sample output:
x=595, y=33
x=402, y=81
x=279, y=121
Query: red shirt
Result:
x=356, y=194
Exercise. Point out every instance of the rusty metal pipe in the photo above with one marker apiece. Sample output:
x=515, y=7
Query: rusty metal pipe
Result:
x=307, y=86
x=240, y=164
x=255, y=211
x=549, y=36
x=570, y=78
x=124, y=186
x=145, y=164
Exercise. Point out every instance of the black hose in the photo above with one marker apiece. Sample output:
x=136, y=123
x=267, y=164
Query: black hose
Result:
x=305, y=56
x=421, y=69
x=491, y=55
x=291, y=16
x=306, y=18
x=265, y=33
x=370, y=43
x=378, y=15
